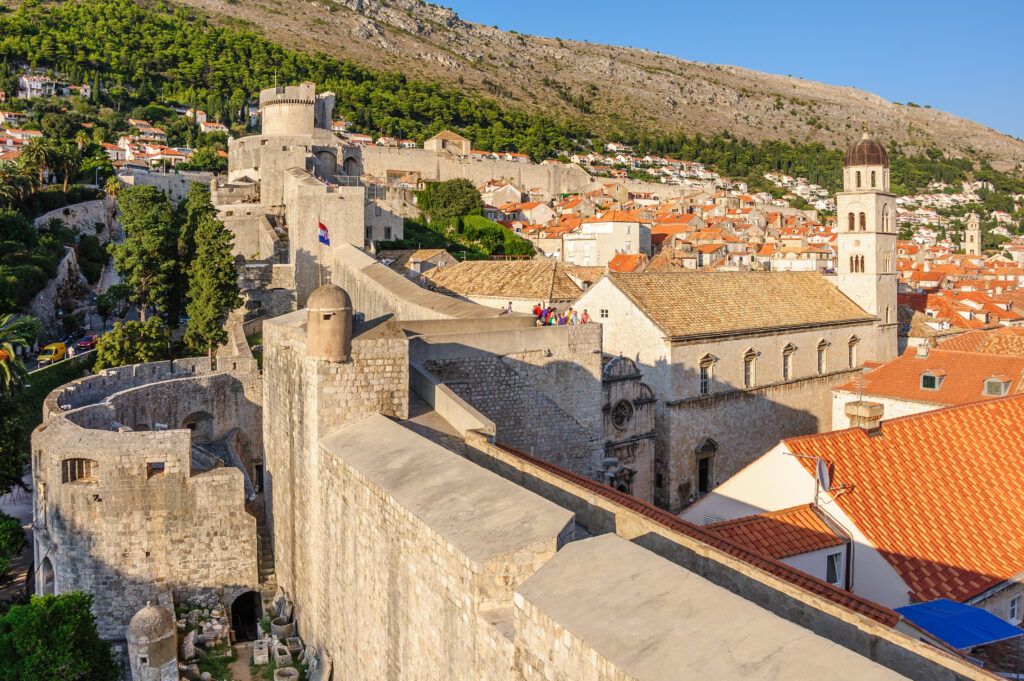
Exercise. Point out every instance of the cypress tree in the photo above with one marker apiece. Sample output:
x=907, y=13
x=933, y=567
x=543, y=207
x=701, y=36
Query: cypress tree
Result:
x=213, y=287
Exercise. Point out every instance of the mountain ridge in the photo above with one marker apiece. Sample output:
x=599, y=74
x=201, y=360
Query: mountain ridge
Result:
x=617, y=91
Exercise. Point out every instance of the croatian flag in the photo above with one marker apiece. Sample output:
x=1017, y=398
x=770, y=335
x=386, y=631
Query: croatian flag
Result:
x=325, y=238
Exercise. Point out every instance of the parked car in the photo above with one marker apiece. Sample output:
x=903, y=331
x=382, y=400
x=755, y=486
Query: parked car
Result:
x=54, y=352
x=88, y=342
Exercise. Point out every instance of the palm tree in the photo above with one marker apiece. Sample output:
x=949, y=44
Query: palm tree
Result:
x=15, y=332
x=81, y=139
x=39, y=154
x=67, y=159
x=10, y=184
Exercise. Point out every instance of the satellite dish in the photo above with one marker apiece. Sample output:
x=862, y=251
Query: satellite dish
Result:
x=824, y=479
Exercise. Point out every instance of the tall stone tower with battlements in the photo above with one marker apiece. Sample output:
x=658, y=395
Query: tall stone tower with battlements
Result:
x=866, y=212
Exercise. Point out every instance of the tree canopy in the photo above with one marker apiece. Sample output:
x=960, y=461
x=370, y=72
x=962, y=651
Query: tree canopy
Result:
x=213, y=286
x=54, y=637
x=132, y=343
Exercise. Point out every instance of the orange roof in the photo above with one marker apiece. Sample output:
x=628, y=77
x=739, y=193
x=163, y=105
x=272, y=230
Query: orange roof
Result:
x=936, y=493
x=780, y=534
x=1003, y=341
x=964, y=375
x=613, y=216
x=625, y=262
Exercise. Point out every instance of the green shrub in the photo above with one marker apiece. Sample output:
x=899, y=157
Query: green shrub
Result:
x=12, y=538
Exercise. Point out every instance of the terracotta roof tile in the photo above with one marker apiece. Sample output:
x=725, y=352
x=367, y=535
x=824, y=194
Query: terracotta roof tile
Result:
x=964, y=375
x=937, y=493
x=533, y=279
x=780, y=534
x=688, y=304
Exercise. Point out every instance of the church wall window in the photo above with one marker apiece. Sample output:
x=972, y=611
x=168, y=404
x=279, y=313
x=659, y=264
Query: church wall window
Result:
x=872, y=178
x=822, y=356
x=863, y=222
x=852, y=351
x=706, y=364
x=852, y=221
x=787, y=362
x=749, y=367
x=858, y=179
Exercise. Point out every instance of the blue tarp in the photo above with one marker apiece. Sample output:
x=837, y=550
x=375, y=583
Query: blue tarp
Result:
x=961, y=626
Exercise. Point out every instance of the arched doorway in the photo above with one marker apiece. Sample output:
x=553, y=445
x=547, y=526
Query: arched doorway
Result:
x=201, y=425
x=245, y=614
x=46, y=578
x=351, y=166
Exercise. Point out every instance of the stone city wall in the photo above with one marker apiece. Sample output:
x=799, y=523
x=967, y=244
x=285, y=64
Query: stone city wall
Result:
x=540, y=386
x=604, y=511
x=82, y=217
x=59, y=290
x=175, y=185
x=136, y=521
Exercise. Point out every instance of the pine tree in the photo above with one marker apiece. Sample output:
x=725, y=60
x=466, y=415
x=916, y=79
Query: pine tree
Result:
x=147, y=257
x=213, y=286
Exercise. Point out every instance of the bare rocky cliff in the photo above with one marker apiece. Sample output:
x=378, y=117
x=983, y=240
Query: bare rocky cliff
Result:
x=615, y=90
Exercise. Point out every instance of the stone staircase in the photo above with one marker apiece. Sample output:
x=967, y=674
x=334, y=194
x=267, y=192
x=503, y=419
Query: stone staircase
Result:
x=268, y=580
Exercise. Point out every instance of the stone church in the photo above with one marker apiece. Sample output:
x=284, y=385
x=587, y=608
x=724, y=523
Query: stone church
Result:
x=740, y=360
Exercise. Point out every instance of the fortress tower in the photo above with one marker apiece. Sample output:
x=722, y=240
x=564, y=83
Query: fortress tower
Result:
x=866, y=212
x=295, y=110
x=972, y=235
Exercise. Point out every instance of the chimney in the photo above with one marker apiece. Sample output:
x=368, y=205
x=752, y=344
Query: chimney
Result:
x=866, y=415
x=927, y=265
x=925, y=347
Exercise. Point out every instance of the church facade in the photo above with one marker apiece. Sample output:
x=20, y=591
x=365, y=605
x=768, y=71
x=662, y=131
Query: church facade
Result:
x=740, y=360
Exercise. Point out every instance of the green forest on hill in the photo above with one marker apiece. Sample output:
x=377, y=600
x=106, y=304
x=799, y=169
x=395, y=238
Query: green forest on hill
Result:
x=165, y=54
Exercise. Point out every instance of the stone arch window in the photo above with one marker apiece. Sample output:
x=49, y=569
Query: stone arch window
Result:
x=888, y=314
x=851, y=351
x=749, y=368
x=47, y=579
x=885, y=217
x=787, y=361
x=83, y=471
x=872, y=178
x=622, y=414
x=858, y=179
x=863, y=221
x=851, y=221
x=707, y=363
x=823, y=356
x=706, y=466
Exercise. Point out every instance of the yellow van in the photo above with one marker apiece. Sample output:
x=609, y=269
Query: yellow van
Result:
x=54, y=352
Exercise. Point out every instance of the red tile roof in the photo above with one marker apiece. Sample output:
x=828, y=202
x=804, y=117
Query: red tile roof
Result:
x=780, y=534
x=964, y=375
x=625, y=262
x=1003, y=341
x=772, y=566
x=937, y=493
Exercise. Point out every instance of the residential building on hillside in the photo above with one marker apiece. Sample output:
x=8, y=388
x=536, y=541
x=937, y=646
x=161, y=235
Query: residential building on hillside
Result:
x=601, y=237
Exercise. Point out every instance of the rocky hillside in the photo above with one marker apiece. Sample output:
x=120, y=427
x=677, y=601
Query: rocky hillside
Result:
x=618, y=91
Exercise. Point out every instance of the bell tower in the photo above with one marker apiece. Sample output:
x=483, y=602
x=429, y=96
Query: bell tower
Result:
x=866, y=215
x=972, y=235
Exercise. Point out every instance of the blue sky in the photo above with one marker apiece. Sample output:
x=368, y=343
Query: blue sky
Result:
x=964, y=58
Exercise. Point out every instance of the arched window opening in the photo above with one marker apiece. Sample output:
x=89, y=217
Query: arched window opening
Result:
x=787, y=362
x=863, y=222
x=852, y=221
x=872, y=178
x=852, y=351
x=706, y=364
x=749, y=359
x=46, y=578
x=885, y=217
x=83, y=471
x=853, y=264
x=858, y=179
x=822, y=356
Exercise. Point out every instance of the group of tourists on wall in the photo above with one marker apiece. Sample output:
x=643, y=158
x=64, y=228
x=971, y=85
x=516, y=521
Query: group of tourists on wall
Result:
x=549, y=316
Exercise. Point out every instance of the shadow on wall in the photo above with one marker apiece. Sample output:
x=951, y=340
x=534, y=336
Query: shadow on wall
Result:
x=552, y=409
x=705, y=439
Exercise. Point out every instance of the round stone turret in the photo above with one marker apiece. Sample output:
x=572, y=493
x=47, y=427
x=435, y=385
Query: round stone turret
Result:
x=329, y=324
x=152, y=644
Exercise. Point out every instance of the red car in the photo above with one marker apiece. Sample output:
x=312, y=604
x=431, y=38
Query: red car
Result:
x=87, y=343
